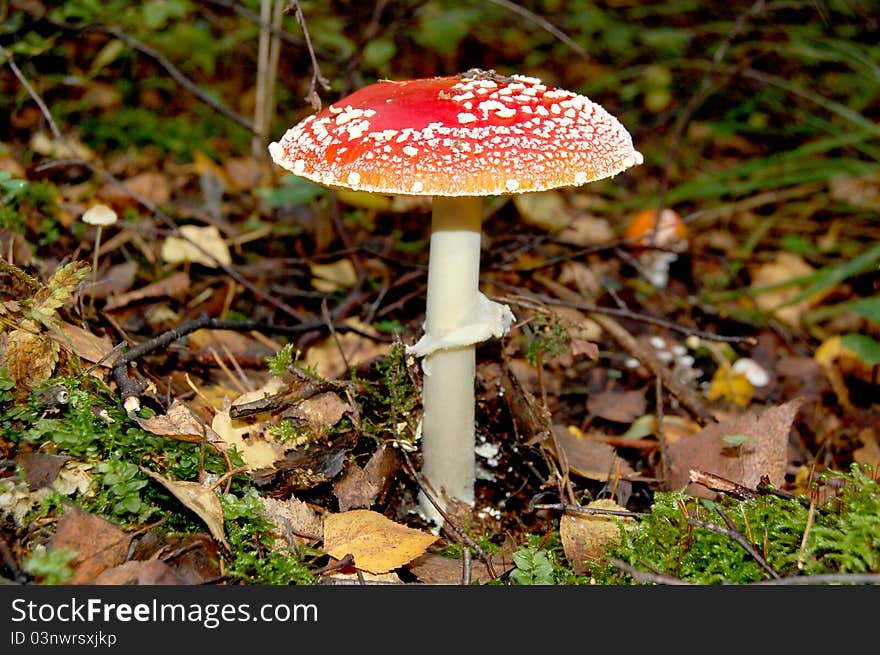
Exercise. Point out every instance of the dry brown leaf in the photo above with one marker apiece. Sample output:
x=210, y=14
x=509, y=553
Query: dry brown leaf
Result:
x=353, y=490
x=869, y=452
x=546, y=210
x=211, y=251
x=40, y=469
x=172, y=286
x=86, y=345
x=329, y=356
x=741, y=448
x=333, y=277
x=200, y=499
x=67, y=148
x=585, y=536
x=296, y=521
x=242, y=173
x=117, y=279
x=377, y=544
x=151, y=572
x=785, y=266
x=432, y=568
x=586, y=230
x=381, y=468
x=618, y=406
x=151, y=186
x=99, y=544
x=321, y=412
x=589, y=458
x=178, y=423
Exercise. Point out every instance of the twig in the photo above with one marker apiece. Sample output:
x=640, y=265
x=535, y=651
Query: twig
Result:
x=737, y=537
x=317, y=78
x=579, y=509
x=175, y=73
x=541, y=22
x=661, y=433
x=458, y=532
x=802, y=551
x=644, y=576
x=826, y=578
x=716, y=483
x=685, y=396
x=622, y=313
x=130, y=389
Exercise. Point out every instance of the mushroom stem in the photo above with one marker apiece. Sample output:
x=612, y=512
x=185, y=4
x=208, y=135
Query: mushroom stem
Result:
x=448, y=389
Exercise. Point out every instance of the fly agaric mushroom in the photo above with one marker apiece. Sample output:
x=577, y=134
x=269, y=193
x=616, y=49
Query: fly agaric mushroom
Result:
x=456, y=139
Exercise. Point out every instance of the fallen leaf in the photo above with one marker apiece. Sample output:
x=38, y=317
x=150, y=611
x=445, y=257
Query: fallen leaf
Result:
x=172, y=286
x=178, y=423
x=193, y=558
x=381, y=468
x=729, y=385
x=584, y=536
x=40, y=469
x=618, y=406
x=150, y=186
x=99, y=544
x=296, y=522
x=869, y=452
x=435, y=569
x=248, y=435
x=151, y=572
x=546, y=210
x=333, y=277
x=211, y=250
x=85, y=344
x=66, y=148
x=115, y=280
x=785, y=267
x=377, y=544
x=321, y=412
x=742, y=448
x=589, y=458
x=586, y=230
x=353, y=490
x=200, y=499
x=331, y=356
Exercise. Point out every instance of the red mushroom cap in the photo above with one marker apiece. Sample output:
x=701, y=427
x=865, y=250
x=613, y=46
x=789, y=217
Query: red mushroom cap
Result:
x=468, y=135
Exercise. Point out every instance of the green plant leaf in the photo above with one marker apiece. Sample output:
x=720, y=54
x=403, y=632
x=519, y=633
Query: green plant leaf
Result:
x=866, y=348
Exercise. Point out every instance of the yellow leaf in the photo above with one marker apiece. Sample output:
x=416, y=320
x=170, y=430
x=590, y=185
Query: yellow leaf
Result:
x=377, y=544
x=585, y=536
x=200, y=499
x=330, y=357
x=546, y=210
x=732, y=386
x=176, y=249
x=785, y=267
x=248, y=436
x=329, y=278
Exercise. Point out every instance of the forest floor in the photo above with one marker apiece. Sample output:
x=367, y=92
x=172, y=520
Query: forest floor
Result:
x=702, y=410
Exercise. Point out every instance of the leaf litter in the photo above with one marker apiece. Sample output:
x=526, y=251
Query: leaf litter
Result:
x=584, y=423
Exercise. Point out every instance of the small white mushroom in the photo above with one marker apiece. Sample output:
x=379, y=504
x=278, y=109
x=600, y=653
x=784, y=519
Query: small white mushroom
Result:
x=100, y=216
x=753, y=371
